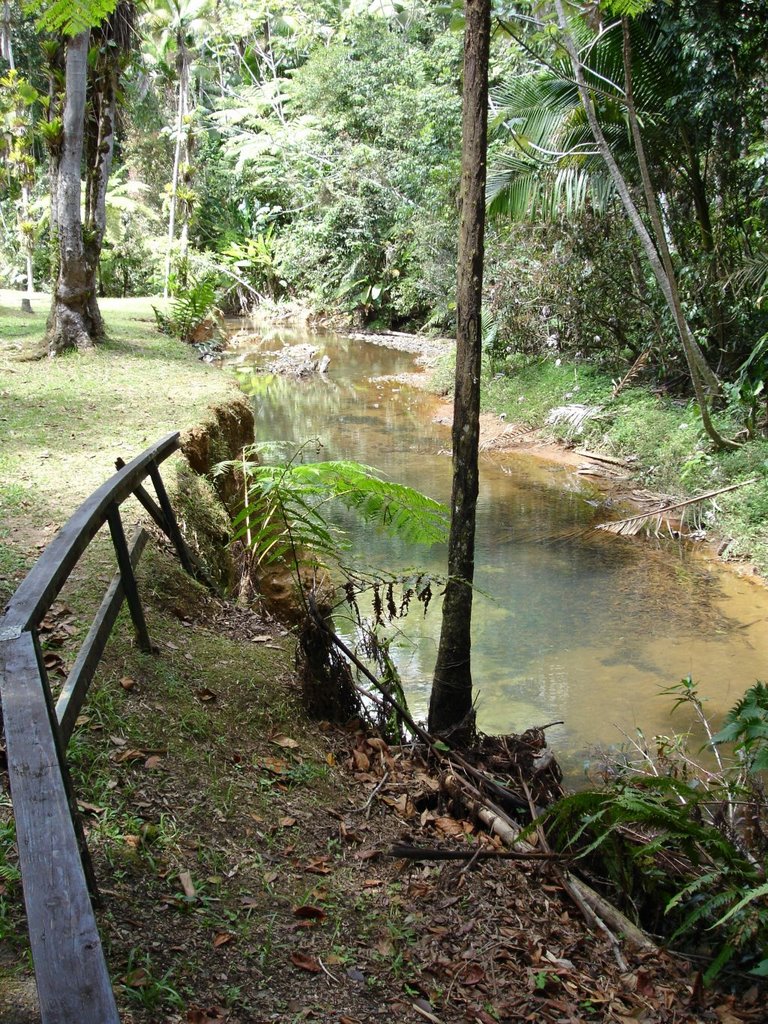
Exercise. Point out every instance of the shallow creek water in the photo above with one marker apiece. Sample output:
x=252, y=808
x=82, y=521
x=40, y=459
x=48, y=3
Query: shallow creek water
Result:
x=568, y=623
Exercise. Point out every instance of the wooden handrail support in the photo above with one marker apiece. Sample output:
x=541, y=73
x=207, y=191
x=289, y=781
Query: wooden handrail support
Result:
x=72, y=978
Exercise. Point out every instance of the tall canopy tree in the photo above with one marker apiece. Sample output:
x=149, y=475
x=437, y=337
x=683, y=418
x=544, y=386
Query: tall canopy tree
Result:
x=450, y=706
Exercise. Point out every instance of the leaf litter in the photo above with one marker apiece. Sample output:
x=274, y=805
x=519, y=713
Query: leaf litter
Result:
x=270, y=896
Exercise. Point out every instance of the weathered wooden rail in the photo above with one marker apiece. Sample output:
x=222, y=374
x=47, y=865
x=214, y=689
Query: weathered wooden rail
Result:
x=73, y=982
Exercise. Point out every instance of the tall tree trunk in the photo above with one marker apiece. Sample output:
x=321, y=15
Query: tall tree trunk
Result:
x=662, y=270
x=6, y=39
x=182, y=65
x=27, y=245
x=55, y=59
x=71, y=324
x=701, y=375
x=450, y=706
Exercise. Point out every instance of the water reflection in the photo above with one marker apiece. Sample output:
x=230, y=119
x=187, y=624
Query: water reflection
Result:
x=569, y=623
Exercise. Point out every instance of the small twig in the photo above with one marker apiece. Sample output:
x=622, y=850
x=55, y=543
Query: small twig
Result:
x=374, y=793
x=472, y=861
x=426, y=1014
x=331, y=976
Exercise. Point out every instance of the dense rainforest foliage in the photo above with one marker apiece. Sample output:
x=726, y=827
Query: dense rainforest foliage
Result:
x=233, y=155
x=310, y=150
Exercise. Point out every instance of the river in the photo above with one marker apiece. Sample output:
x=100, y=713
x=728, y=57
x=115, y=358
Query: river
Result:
x=569, y=624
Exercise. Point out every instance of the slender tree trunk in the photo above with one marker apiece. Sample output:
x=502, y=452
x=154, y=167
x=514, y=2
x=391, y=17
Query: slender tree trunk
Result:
x=6, y=39
x=27, y=244
x=697, y=367
x=181, y=112
x=100, y=151
x=71, y=324
x=55, y=64
x=450, y=706
x=701, y=375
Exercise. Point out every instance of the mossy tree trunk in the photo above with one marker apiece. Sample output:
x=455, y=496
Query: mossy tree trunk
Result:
x=450, y=706
x=75, y=321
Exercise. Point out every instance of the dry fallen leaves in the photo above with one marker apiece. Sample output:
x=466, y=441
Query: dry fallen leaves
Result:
x=306, y=962
x=286, y=742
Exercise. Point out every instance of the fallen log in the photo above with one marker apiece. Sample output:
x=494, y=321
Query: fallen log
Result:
x=509, y=831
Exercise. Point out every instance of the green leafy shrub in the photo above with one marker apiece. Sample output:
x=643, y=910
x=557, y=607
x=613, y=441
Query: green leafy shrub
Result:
x=190, y=308
x=684, y=847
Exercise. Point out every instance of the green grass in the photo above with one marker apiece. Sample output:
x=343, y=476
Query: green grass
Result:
x=64, y=421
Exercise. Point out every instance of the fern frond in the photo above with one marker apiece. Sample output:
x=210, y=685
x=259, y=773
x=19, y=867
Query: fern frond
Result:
x=288, y=506
x=70, y=17
x=759, y=892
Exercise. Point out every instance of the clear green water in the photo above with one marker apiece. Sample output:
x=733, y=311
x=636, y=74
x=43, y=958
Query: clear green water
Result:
x=569, y=624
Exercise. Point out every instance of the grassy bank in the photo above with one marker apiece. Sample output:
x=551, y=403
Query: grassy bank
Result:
x=64, y=421
x=661, y=436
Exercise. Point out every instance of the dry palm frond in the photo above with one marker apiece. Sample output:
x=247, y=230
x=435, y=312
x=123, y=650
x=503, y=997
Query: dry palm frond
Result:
x=631, y=373
x=654, y=519
x=574, y=415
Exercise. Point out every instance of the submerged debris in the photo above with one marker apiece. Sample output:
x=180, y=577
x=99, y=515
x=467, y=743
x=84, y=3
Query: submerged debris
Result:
x=298, y=361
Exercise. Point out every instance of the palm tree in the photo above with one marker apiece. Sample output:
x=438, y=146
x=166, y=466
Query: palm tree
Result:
x=575, y=125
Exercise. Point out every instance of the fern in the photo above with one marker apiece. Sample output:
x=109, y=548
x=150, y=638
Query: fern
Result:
x=70, y=17
x=190, y=308
x=289, y=506
x=746, y=726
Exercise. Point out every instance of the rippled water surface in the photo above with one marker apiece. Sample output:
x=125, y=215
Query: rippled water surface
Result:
x=568, y=623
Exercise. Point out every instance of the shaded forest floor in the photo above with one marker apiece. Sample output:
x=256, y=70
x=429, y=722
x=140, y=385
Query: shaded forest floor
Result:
x=242, y=855
x=240, y=848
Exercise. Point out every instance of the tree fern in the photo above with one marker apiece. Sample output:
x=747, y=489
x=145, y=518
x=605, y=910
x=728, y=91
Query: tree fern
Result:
x=69, y=17
x=289, y=506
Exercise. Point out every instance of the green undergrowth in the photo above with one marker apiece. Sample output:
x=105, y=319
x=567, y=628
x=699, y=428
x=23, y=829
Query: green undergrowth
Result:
x=196, y=769
x=661, y=436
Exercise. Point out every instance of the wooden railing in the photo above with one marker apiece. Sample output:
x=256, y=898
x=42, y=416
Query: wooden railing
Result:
x=59, y=888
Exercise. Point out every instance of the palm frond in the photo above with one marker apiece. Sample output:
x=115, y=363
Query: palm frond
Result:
x=656, y=517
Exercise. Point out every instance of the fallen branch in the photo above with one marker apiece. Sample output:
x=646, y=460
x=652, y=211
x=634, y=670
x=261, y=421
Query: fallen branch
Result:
x=587, y=912
x=634, y=524
x=405, y=852
x=509, y=833
x=598, y=457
